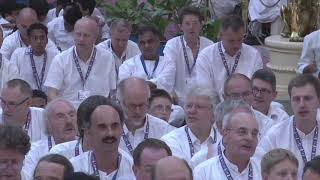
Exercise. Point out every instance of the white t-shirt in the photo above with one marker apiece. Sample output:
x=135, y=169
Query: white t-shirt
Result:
x=163, y=76
x=83, y=163
x=64, y=76
x=13, y=41
x=157, y=128
x=178, y=142
x=21, y=59
x=58, y=34
x=68, y=149
x=264, y=14
x=210, y=69
x=8, y=71
x=173, y=51
x=6, y=31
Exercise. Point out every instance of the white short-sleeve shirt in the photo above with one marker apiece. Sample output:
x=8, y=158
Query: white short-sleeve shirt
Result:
x=263, y=14
x=8, y=71
x=68, y=149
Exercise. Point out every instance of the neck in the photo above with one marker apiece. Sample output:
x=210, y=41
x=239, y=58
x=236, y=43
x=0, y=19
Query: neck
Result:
x=84, y=54
x=228, y=51
x=117, y=51
x=192, y=42
x=241, y=163
x=38, y=53
x=85, y=144
x=153, y=57
x=132, y=127
x=25, y=40
x=112, y=160
x=202, y=134
x=305, y=126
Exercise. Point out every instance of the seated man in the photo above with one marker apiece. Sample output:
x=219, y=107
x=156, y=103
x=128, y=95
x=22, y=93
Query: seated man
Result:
x=8, y=71
x=33, y=62
x=59, y=5
x=15, y=103
x=9, y=11
x=84, y=69
x=14, y=145
x=146, y=155
x=311, y=170
x=39, y=99
x=149, y=65
x=53, y=166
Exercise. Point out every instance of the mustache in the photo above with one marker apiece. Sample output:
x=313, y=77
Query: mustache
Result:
x=109, y=139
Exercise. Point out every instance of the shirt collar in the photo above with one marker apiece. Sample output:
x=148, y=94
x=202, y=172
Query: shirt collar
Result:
x=210, y=139
x=109, y=42
x=142, y=129
x=93, y=47
x=224, y=50
x=233, y=167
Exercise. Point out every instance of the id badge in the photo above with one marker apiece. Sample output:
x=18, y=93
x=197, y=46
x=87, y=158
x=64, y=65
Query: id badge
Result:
x=83, y=94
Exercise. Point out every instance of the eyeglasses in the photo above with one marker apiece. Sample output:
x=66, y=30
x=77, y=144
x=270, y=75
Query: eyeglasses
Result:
x=12, y=105
x=197, y=107
x=262, y=91
x=239, y=95
x=13, y=163
x=244, y=132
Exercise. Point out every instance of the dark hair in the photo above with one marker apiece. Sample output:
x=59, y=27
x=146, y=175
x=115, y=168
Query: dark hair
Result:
x=15, y=138
x=63, y=3
x=232, y=21
x=40, y=6
x=8, y=6
x=159, y=93
x=302, y=80
x=313, y=165
x=72, y=14
x=190, y=10
x=148, y=28
x=266, y=75
x=87, y=107
x=22, y=85
x=57, y=159
x=39, y=94
x=81, y=176
x=233, y=76
x=37, y=26
x=87, y=4
x=149, y=143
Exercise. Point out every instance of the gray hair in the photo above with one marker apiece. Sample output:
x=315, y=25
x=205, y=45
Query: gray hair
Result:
x=121, y=24
x=122, y=87
x=49, y=108
x=201, y=90
x=232, y=106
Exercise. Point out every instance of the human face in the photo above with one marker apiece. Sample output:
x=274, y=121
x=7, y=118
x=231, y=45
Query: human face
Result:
x=284, y=170
x=10, y=164
x=62, y=122
x=263, y=95
x=199, y=112
x=15, y=105
x=49, y=171
x=149, y=157
x=191, y=26
x=38, y=41
x=310, y=175
x=232, y=41
x=135, y=106
x=304, y=103
x=119, y=39
x=106, y=129
x=160, y=107
x=241, y=137
x=148, y=44
x=85, y=34
x=239, y=88
x=38, y=102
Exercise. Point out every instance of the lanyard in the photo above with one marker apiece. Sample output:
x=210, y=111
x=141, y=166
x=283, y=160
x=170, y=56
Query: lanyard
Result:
x=49, y=143
x=192, y=151
x=95, y=167
x=224, y=61
x=28, y=122
x=226, y=169
x=76, y=61
x=299, y=143
x=145, y=68
x=76, y=149
x=39, y=80
x=126, y=138
x=0, y=60
x=186, y=56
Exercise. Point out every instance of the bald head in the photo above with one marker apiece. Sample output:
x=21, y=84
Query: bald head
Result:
x=133, y=86
x=26, y=17
x=86, y=31
x=88, y=23
x=172, y=168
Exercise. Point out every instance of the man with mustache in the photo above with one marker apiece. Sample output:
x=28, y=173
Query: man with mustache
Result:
x=61, y=118
x=104, y=126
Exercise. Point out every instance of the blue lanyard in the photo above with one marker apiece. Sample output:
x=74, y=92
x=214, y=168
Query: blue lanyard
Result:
x=186, y=56
x=39, y=80
x=77, y=149
x=299, y=143
x=49, y=143
x=95, y=166
x=224, y=61
x=226, y=169
x=149, y=76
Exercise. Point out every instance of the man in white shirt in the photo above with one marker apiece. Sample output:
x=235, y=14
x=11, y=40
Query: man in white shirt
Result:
x=19, y=38
x=104, y=125
x=133, y=94
x=199, y=132
x=60, y=29
x=15, y=103
x=61, y=119
x=119, y=44
x=184, y=50
x=8, y=71
x=264, y=92
x=310, y=57
x=300, y=133
x=149, y=65
x=33, y=62
x=146, y=155
x=9, y=12
x=240, y=139
x=220, y=60
x=82, y=70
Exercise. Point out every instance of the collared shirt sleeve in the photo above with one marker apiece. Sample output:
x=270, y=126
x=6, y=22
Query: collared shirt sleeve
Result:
x=126, y=69
x=55, y=74
x=307, y=55
x=7, y=46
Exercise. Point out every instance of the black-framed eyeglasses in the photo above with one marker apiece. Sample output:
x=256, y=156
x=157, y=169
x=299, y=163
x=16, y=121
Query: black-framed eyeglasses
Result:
x=262, y=91
x=244, y=132
x=12, y=105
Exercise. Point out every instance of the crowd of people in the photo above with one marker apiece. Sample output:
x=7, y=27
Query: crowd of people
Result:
x=79, y=100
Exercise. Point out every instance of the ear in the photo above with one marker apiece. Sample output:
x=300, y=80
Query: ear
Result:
x=275, y=94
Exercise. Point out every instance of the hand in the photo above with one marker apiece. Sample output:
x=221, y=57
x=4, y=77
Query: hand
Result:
x=311, y=68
